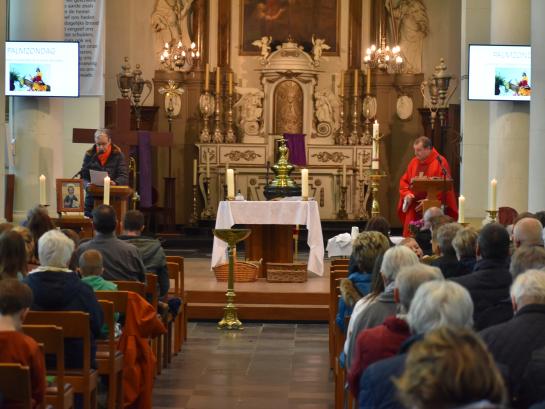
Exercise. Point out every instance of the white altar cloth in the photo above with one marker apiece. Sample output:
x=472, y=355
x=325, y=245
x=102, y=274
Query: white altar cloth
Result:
x=273, y=212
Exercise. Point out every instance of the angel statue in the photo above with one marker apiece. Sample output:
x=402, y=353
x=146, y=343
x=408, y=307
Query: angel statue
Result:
x=249, y=108
x=318, y=46
x=264, y=44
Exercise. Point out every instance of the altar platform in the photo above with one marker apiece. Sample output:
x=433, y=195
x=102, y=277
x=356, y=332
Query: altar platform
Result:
x=257, y=301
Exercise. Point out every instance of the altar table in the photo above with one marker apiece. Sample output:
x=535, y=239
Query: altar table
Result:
x=272, y=212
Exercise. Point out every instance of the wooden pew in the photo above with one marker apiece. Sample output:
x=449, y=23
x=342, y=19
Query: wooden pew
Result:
x=15, y=384
x=181, y=318
x=51, y=337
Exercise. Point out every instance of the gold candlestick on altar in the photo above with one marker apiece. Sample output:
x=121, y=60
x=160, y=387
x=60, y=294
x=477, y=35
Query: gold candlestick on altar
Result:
x=218, y=136
x=230, y=320
x=362, y=212
x=492, y=214
x=355, y=114
x=375, y=177
x=230, y=136
x=208, y=211
x=194, y=218
x=342, y=214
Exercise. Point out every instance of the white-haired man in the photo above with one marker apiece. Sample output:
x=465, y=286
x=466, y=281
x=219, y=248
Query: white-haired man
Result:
x=435, y=304
x=56, y=288
x=513, y=342
x=374, y=314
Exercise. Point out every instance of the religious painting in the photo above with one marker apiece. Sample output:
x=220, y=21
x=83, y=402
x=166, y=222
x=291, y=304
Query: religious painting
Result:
x=300, y=19
x=70, y=195
x=288, y=108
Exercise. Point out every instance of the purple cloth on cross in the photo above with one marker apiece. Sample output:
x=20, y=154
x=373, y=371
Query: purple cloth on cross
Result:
x=296, y=145
x=144, y=168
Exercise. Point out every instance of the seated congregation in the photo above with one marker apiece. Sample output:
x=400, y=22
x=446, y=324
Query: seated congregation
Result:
x=87, y=322
x=451, y=317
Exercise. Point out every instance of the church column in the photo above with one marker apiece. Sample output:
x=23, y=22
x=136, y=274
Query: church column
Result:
x=536, y=185
x=509, y=121
x=37, y=122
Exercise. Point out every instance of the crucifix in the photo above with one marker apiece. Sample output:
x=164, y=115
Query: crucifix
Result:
x=124, y=137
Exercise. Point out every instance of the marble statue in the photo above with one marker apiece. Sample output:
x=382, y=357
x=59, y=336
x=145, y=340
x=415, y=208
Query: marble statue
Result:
x=265, y=45
x=318, y=46
x=410, y=25
x=250, y=109
x=169, y=21
x=327, y=112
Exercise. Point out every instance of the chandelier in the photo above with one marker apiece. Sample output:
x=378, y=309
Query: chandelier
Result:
x=178, y=57
x=384, y=58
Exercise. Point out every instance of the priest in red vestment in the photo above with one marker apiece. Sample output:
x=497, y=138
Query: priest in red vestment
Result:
x=427, y=162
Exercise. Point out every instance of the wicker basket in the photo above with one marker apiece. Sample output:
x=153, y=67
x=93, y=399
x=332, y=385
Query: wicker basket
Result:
x=245, y=271
x=286, y=272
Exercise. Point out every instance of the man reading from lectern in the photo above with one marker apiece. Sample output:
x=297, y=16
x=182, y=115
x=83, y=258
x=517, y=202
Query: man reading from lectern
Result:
x=426, y=163
x=106, y=157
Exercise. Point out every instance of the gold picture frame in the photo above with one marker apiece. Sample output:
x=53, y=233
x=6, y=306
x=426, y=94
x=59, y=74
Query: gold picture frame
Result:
x=300, y=19
x=70, y=197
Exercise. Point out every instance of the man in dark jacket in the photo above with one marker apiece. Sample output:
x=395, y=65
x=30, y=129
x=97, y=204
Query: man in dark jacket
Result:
x=153, y=255
x=489, y=282
x=105, y=157
x=122, y=261
x=56, y=288
x=513, y=342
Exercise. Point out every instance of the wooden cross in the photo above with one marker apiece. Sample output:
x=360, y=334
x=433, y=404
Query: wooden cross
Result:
x=122, y=135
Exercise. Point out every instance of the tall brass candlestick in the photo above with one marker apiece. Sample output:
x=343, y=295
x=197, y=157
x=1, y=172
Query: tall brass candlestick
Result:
x=208, y=211
x=375, y=177
x=362, y=212
x=218, y=136
x=230, y=320
x=230, y=136
x=342, y=214
x=194, y=218
x=355, y=113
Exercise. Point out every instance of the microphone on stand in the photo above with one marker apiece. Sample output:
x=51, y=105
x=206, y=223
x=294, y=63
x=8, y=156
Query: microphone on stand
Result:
x=444, y=172
x=85, y=167
x=443, y=169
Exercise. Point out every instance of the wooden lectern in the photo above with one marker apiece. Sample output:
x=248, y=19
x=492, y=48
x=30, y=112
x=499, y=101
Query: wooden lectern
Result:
x=119, y=197
x=432, y=187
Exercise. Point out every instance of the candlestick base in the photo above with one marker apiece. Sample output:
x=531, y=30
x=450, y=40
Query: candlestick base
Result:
x=375, y=185
x=342, y=213
x=207, y=212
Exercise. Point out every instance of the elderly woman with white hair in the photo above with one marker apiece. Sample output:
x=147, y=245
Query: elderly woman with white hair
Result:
x=436, y=304
x=375, y=313
x=56, y=288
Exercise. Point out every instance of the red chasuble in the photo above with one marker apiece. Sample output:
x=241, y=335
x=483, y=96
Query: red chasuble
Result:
x=429, y=167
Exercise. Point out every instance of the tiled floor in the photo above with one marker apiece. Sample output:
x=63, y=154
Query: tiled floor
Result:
x=265, y=366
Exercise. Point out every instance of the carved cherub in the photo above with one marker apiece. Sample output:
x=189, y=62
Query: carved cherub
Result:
x=318, y=46
x=264, y=44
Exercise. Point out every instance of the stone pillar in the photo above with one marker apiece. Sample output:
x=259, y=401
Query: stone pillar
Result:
x=475, y=130
x=37, y=122
x=509, y=121
x=536, y=178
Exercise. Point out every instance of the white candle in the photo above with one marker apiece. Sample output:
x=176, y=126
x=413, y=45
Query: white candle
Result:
x=304, y=183
x=493, y=194
x=207, y=159
x=344, y=176
x=461, y=209
x=107, y=190
x=230, y=184
x=43, y=200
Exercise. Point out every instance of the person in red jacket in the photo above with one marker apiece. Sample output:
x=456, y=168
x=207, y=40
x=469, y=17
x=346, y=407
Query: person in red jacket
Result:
x=429, y=163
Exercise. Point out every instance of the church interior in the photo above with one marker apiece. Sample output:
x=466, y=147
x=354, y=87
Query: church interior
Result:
x=284, y=200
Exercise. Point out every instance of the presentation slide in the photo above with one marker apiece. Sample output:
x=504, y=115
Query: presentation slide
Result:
x=499, y=72
x=42, y=69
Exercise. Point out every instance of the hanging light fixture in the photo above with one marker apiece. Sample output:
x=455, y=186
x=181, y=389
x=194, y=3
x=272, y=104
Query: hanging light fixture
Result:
x=384, y=58
x=178, y=57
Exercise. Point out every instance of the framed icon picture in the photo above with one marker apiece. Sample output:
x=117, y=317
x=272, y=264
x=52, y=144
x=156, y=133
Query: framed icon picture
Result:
x=70, y=195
